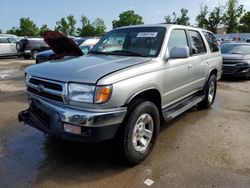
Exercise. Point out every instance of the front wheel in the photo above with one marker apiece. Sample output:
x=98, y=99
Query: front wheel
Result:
x=210, y=93
x=140, y=132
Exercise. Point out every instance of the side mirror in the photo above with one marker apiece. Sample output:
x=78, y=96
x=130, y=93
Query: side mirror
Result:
x=179, y=52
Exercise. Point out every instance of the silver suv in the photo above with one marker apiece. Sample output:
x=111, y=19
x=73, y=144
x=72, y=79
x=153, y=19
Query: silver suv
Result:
x=131, y=80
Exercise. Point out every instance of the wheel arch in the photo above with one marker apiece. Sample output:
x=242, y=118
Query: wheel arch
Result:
x=151, y=94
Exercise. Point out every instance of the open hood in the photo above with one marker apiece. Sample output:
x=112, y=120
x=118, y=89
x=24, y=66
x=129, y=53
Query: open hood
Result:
x=61, y=44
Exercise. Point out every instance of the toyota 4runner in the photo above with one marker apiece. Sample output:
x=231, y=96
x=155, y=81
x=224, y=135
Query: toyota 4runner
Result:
x=132, y=79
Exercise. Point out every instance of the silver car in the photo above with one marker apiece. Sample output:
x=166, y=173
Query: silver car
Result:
x=8, y=46
x=133, y=77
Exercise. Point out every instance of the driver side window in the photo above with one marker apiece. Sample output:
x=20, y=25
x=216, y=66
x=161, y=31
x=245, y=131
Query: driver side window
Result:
x=177, y=38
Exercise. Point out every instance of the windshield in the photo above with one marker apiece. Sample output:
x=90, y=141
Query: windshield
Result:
x=235, y=49
x=141, y=41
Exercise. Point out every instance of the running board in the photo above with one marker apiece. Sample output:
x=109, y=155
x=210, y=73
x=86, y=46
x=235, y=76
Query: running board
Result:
x=182, y=106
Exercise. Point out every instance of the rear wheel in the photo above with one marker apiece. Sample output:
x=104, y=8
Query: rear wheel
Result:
x=210, y=93
x=140, y=131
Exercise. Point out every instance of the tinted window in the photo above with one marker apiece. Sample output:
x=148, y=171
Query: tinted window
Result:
x=4, y=40
x=211, y=41
x=197, y=44
x=141, y=41
x=177, y=38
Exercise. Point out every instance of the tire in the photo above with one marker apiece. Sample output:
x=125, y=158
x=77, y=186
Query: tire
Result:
x=210, y=93
x=138, y=138
x=18, y=46
x=34, y=54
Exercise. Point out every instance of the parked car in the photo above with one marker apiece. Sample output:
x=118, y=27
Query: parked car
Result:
x=236, y=60
x=85, y=44
x=154, y=72
x=8, y=46
x=30, y=47
x=248, y=40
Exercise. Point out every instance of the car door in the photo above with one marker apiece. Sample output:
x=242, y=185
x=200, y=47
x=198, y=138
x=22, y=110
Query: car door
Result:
x=12, y=46
x=177, y=72
x=4, y=46
x=198, y=65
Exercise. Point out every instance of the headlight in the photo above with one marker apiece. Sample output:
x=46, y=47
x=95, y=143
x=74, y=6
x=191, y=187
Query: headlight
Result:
x=27, y=78
x=81, y=93
x=89, y=94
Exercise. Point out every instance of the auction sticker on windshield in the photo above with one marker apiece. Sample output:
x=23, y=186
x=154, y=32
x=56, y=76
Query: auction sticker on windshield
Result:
x=147, y=34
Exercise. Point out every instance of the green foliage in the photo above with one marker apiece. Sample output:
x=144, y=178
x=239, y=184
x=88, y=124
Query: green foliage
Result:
x=214, y=19
x=97, y=28
x=43, y=29
x=182, y=20
x=66, y=25
x=245, y=23
x=26, y=28
x=71, y=25
x=232, y=15
x=13, y=31
x=1, y=31
x=127, y=18
x=100, y=28
x=202, y=17
x=168, y=19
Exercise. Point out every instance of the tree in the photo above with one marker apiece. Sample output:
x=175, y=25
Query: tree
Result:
x=168, y=19
x=66, y=25
x=127, y=18
x=182, y=20
x=214, y=19
x=43, y=29
x=62, y=26
x=14, y=31
x=87, y=28
x=232, y=15
x=27, y=28
x=100, y=28
x=0, y=31
x=245, y=23
x=202, y=17
x=71, y=25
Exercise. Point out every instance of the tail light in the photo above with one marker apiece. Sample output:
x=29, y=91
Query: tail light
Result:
x=28, y=46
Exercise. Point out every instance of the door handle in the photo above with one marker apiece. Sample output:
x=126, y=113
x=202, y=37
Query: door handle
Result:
x=190, y=66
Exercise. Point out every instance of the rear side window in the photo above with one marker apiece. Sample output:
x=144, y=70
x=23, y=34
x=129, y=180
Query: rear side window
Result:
x=4, y=40
x=197, y=44
x=177, y=38
x=212, y=42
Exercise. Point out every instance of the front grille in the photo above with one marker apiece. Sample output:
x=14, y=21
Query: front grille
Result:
x=229, y=70
x=45, y=88
x=48, y=85
x=46, y=95
x=41, y=116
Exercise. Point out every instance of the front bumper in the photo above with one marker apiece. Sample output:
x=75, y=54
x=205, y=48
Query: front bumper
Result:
x=236, y=71
x=95, y=126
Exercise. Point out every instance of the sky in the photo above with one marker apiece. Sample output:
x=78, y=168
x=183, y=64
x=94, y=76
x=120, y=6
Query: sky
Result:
x=50, y=11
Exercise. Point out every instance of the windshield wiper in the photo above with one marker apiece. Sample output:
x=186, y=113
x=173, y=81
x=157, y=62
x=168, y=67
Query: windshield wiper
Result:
x=124, y=52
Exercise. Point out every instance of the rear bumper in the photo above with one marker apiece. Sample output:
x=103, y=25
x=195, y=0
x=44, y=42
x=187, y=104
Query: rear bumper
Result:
x=51, y=119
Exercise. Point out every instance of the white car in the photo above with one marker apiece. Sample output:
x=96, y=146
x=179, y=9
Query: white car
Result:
x=8, y=46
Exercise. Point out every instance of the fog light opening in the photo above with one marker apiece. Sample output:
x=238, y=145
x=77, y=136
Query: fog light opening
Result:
x=72, y=129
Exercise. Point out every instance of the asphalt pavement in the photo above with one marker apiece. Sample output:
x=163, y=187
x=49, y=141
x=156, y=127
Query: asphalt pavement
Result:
x=201, y=148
